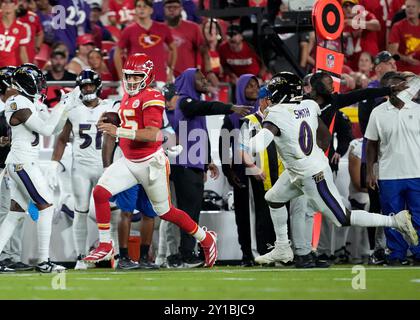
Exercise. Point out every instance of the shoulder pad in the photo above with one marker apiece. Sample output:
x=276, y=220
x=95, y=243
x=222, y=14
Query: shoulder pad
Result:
x=153, y=98
x=18, y=102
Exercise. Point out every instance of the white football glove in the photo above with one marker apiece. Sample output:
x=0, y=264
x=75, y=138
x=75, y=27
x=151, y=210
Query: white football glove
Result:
x=71, y=100
x=174, y=151
x=52, y=174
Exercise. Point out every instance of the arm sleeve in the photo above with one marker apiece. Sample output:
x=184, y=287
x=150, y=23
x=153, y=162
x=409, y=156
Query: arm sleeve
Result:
x=169, y=38
x=123, y=42
x=260, y=141
x=348, y=99
x=153, y=117
x=394, y=35
x=192, y=108
x=344, y=133
x=223, y=146
x=49, y=126
x=244, y=137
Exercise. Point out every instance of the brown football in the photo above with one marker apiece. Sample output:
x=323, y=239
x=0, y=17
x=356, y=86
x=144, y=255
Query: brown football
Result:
x=112, y=117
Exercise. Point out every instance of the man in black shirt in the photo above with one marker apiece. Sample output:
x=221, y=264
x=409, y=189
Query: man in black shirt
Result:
x=57, y=73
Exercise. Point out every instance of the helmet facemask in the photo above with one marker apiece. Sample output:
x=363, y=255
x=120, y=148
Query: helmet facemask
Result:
x=88, y=97
x=134, y=87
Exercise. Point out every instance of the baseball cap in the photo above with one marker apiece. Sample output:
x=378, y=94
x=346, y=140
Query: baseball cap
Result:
x=264, y=93
x=85, y=39
x=233, y=29
x=58, y=52
x=95, y=6
x=350, y=1
x=171, y=1
x=385, y=56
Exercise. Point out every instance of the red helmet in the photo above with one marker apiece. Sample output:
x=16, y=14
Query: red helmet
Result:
x=141, y=65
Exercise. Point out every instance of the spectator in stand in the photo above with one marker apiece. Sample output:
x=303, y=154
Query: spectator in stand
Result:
x=380, y=10
x=96, y=62
x=57, y=72
x=44, y=12
x=365, y=65
x=85, y=43
x=404, y=39
x=13, y=49
x=189, y=41
x=360, y=39
x=120, y=12
x=189, y=9
x=67, y=30
x=150, y=37
x=213, y=37
x=237, y=57
x=36, y=34
x=99, y=32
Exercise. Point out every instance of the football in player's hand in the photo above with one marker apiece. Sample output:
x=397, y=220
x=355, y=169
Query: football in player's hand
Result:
x=111, y=117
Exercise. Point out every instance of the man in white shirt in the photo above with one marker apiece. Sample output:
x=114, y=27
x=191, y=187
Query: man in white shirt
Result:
x=393, y=134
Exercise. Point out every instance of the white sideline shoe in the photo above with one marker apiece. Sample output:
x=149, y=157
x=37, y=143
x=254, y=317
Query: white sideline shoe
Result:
x=280, y=253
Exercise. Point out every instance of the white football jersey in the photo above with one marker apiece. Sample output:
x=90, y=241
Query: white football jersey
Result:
x=87, y=141
x=25, y=142
x=296, y=143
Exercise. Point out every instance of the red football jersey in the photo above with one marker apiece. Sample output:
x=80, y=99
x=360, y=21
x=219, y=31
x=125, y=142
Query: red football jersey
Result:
x=10, y=40
x=152, y=42
x=122, y=11
x=142, y=110
x=33, y=28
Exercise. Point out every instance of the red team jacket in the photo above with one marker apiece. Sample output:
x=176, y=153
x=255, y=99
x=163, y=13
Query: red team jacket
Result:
x=138, y=112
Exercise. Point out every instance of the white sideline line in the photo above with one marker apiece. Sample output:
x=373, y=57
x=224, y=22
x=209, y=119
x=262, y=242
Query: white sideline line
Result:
x=178, y=271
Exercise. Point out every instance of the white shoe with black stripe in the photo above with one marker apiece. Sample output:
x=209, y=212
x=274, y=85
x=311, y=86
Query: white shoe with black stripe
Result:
x=48, y=267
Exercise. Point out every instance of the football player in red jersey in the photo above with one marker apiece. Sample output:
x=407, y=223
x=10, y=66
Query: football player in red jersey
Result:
x=13, y=36
x=144, y=161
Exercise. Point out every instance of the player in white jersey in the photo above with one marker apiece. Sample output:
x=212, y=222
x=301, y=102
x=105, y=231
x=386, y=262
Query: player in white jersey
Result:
x=27, y=122
x=87, y=154
x=298, y=133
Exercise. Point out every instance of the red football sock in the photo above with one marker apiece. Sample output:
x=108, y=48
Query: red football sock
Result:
x=102, y=207
x=181, y=219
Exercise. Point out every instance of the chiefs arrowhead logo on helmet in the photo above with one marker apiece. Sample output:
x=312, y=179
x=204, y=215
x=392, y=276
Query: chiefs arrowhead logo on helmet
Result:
x=138, y=73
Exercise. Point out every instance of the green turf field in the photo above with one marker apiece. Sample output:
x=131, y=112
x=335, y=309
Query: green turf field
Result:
x=218, y=283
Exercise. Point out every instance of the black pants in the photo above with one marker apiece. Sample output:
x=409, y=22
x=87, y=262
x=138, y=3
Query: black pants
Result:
x=189, y=188
x=243, y=223
x=264, y=228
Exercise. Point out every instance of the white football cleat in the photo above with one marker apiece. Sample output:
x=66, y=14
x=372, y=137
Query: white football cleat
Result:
x=405, y=226
x=280, y=253
x=83, y=265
